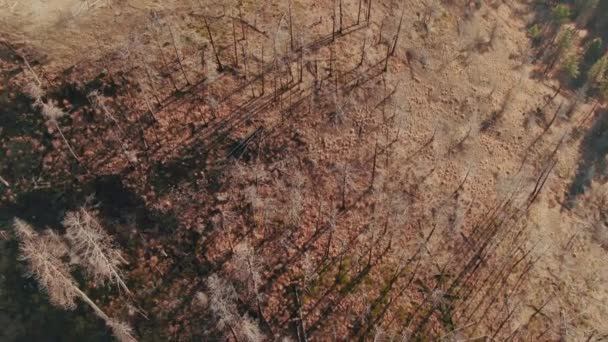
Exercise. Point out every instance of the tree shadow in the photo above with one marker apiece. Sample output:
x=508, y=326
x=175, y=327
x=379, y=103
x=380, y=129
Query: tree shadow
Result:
x=594, y=148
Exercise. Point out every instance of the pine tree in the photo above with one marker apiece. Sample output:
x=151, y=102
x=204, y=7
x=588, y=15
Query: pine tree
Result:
x=571, y=65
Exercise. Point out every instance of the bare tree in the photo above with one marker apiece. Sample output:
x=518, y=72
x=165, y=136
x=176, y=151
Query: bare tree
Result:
x=222, y=301
x=99, y=101
x=250, y=330
x=93, y=248
x=121, y=330
x=43, y=254
x=52, y=113
x=246, y=266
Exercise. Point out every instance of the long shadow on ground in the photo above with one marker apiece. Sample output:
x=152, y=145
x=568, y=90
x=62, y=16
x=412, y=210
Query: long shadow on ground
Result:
x=594, y=148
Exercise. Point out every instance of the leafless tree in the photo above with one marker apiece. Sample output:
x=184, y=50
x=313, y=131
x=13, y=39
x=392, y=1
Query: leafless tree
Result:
x=99, y=101
x=177, y=55
x=246, y=267
x=222, y=300
x=250, y=331
x=93, y=248
x=43, y=254
x=121, y=330
x=50, y=111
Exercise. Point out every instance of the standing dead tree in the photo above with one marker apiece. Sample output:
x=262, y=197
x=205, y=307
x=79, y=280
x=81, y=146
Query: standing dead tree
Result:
x=220, y=67
x=155, y=28
x=99, y=101
x=51, y=112
x=246, y=267
x=359, y=12
x=396, y=40
x=176, y=50
x=93, y=248
x=222, y=300
x=43, y=254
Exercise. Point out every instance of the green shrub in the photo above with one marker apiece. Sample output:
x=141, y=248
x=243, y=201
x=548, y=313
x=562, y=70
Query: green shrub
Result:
x=535, y=33
x=571, y=66
x=561, y=14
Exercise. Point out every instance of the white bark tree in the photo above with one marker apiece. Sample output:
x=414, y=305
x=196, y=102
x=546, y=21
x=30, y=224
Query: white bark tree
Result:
x=43, y=255
x=49, y=109
x=222, y=301
x=93, y=248
x=247, y=267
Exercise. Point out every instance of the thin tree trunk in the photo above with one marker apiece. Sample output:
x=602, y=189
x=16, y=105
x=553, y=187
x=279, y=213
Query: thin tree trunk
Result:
x=290, y=26
x=340, y=27
x=236, y=53
x=371, y=185
x=4, y=181
x=263, y=72
x=301, y=63
x=333, y=21
x=179, y=60
x=243, y=32
x=163, y=58
x=388, y=54
x=331, y=60
x=344, y=189
x=362, y=52
x=398, y=33
x=29, y=67
x=69, y=146
x=300, y=316
x=151, y=81
x=92, y=304
x=220, y=67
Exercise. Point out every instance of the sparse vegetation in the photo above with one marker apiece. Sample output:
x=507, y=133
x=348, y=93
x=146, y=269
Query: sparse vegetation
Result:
x=307, y=170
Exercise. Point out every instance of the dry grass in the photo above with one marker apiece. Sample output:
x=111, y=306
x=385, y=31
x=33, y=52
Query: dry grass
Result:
x=374, y=193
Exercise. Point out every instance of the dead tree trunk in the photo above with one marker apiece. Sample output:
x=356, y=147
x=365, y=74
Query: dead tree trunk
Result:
x=150, y=81
x=333, y=21
x=179, y=60
x=67, y=143
x=220, y=67
x=236, y=53
x=340, y=9
x=344, y=176
x=371, y=184
x=290, y=27
x=262, y=71
x=398, y=33
x=163, y=58
x=388, y=55
x=362, y=53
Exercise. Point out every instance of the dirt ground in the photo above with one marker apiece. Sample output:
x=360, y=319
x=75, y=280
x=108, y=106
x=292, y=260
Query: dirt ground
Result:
x=466, y=82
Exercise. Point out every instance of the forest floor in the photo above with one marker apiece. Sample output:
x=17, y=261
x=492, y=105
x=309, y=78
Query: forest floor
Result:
x=461, y=118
